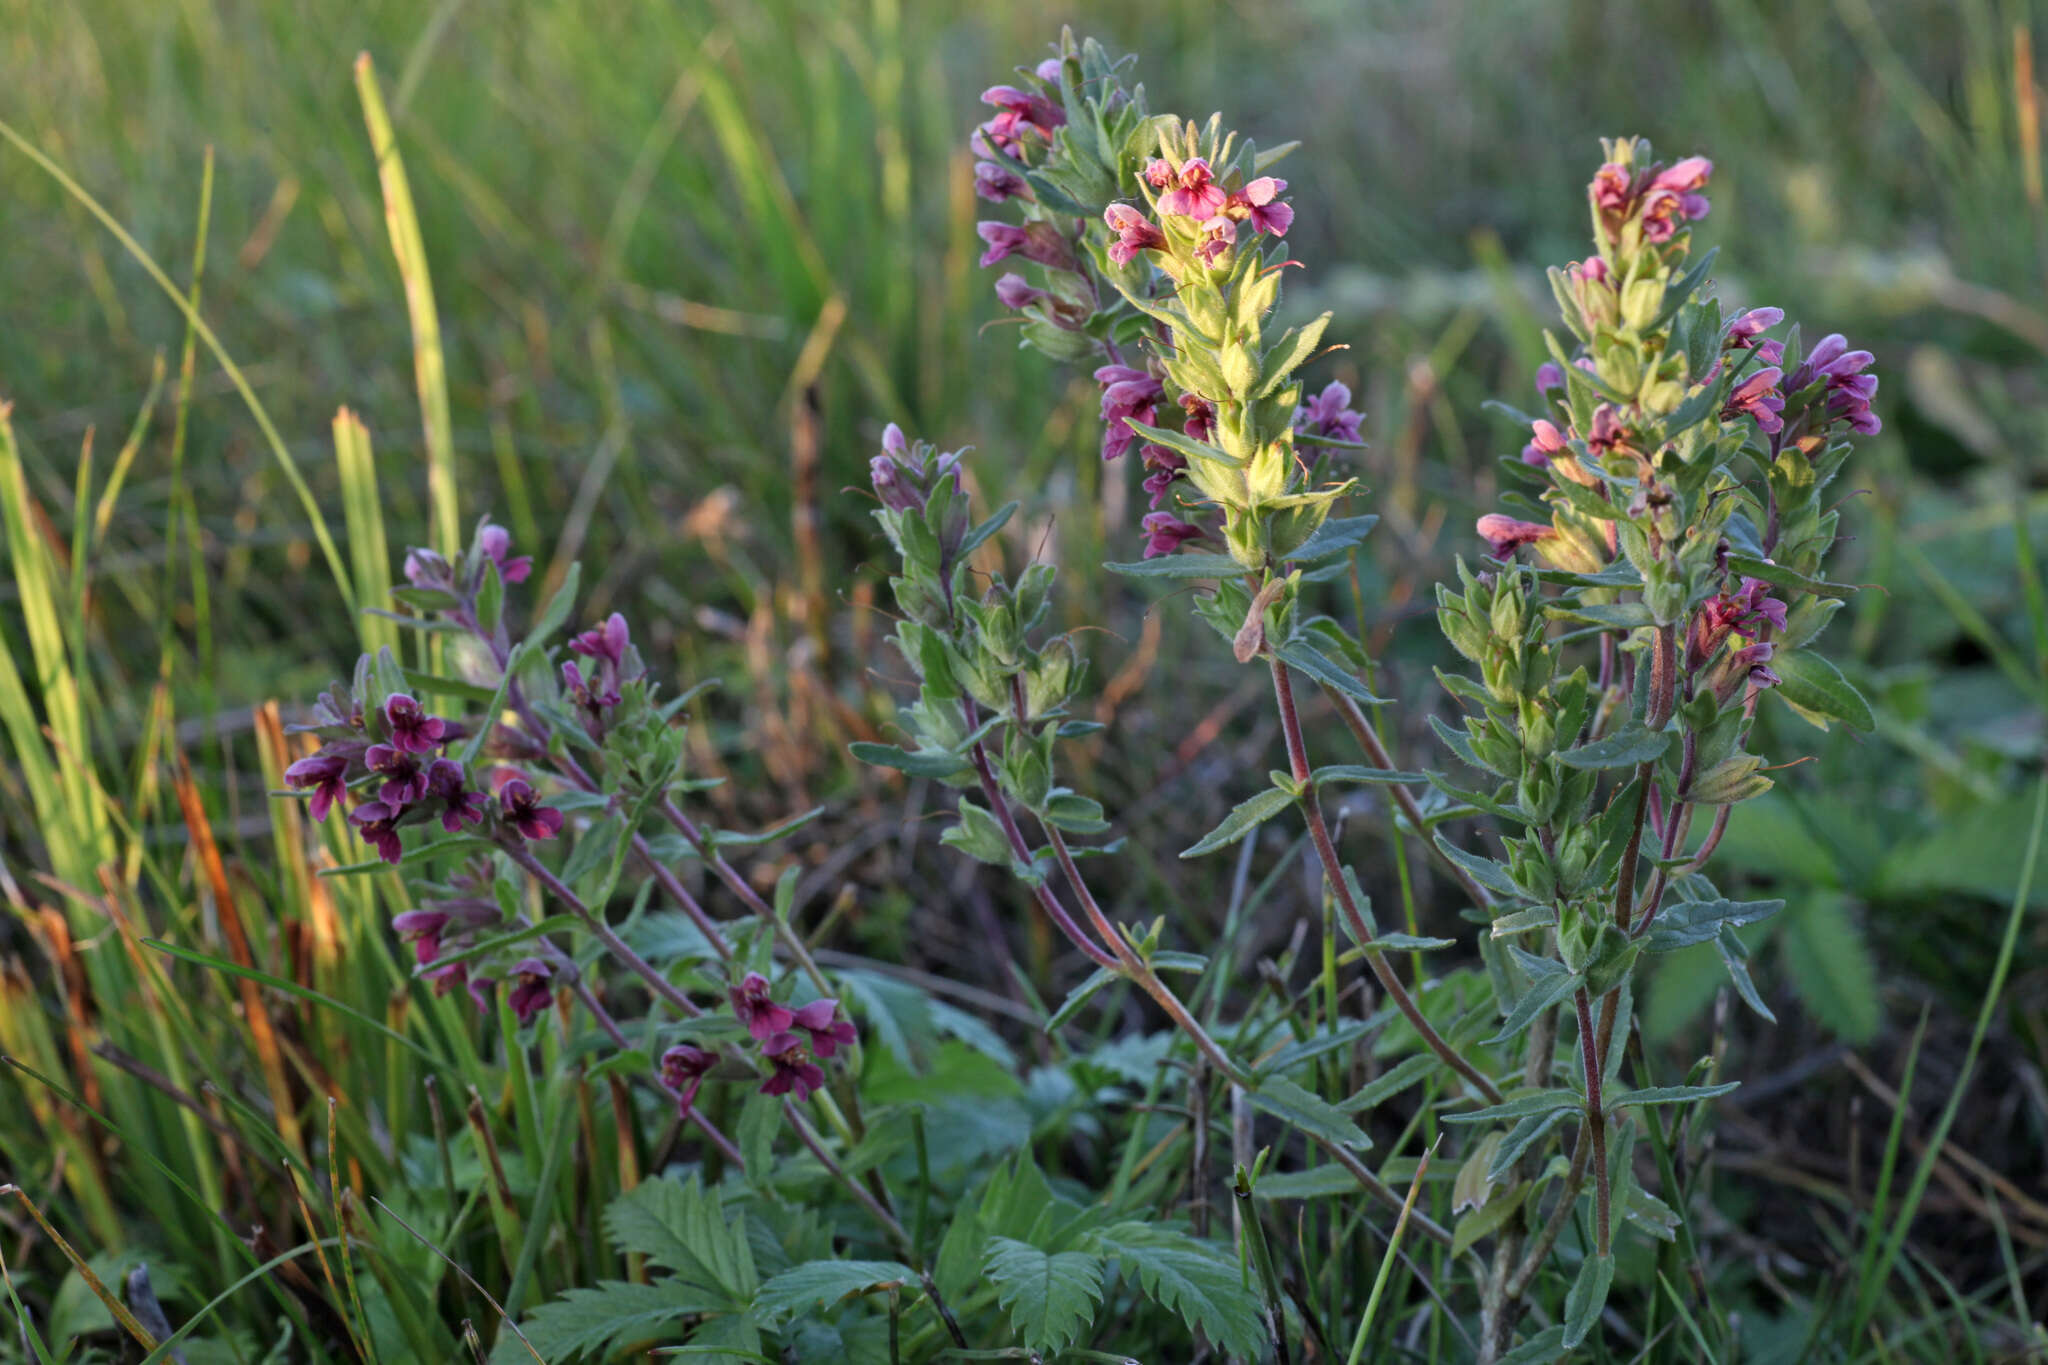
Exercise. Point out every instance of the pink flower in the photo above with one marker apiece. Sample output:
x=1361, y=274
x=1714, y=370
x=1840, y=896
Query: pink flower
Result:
x=1546, y=441
x=1166, y=467
x=1165, y=533
x=1126, y=392
x=996, y=182
x=1504, y=535
x=1021, y=110
x=682, y=1070
x=1219, y=234
x=1195, y=193
x=1135, y=233
x=1257, y=203
x=496, y=542
x=1745, y=333
x=1849, y=390
x=1158, y=173
x=520, y=806
x=1200, y=423
x=327, y=775
x=1608, y=433
x=412, y=729
x=1610, y=189
x=607, y=642
x=376, y=822
x=1036, y=241
x=530, y=989
x=1329, y=414
x=791, y=1069
x=1674, y=197
x=1549, y=379
x=1745, y=612
x=828, y=1031
x=758, y=1010
x=1758, y=397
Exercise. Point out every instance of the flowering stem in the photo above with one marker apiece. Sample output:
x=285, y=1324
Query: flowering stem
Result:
x=861, y=1194
x=1377, y=754
x=740, y=887
x=1596, y=1114
x=1319, y=833
x=617, y=946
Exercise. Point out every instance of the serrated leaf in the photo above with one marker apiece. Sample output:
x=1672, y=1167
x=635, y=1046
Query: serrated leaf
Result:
x=1829, y=965
x=683, y=1228
x=1810, y=682
x=1628, y=746
x=816, y=1285
x=1245, y=817
x=1198, y=1281
x=1689, y=922
x=1587, y=1297
x=1048, y=1296
x=1284, y=1099
x=585, y=1323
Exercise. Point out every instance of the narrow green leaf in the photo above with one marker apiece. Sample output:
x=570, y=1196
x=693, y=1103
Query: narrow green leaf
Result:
x=1246, y=816
x=1180, y=566
x=1689, y=922
x=1538, y=1102
x=1671, y=1094
x=1628, y=746
x=1587, y=1297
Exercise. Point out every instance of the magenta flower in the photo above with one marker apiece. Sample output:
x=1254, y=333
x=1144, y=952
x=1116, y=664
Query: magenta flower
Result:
x=1329, y=414
x=405, y=781
x=530, y=989
x=422, y=929
x=327, y=775
x=1165, y=533
x=757, y=1009
x=1745, y=612
x=1194, y=192
x=1126, y=393
x=1849, y=390
x=1020, y=112
x=1611, y=190
x=1546, y=441
x=1037, y=241
x=828, y=1031
x=996, y=182
x=1608, y=433
x=1165, y=468
x=791, y=1070
x=519, y=805
x=1504, y=535
x=463, y=805
x=1258, y=204
x=1135, y=233
x=443, y=979
x=682, y=1070
x=412, y=729
x=1200, y=422
x=376, y=822
x=607, y=642
x=1758, y=397
x=1014, y=291
x=1751, y=665
x=425, y=569
x=496, y=542
x=1745, y=333
x=1549, y=379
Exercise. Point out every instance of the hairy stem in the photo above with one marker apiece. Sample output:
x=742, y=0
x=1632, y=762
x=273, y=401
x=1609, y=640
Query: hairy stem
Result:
x=1333, y=869
x=1596, y=1115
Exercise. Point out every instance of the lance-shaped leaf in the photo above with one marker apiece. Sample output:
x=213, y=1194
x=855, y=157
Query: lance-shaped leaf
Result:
x=1632, y=744
x=1689, y=922
x=1180, y=566
x=1811, y=683
x=1247, y=816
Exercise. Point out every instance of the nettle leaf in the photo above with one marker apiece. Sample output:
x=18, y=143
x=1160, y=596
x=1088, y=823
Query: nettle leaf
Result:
x=1812, y=684
x=818, y=1285
x=1829, y=965
x=587, y=1323
x=1632, y=744
x=1245, y=817
x=683, y=1228
x=1050, y=1297
x=1587, y=1297
x=1198, y=1281
x=1690, y=922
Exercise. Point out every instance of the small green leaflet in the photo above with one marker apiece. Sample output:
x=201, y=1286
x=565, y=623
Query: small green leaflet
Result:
x=921, y=763
x=1247, y=816
x=1485, y=871
x=1284, y=1099
x=1348, y=772
x=1049, y=1297
x=1312, y=662
x=1679, y=926
x=1588, y=1296
x=1628, y=746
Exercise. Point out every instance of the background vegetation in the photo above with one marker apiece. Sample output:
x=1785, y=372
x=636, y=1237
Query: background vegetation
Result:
x=688, y=259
